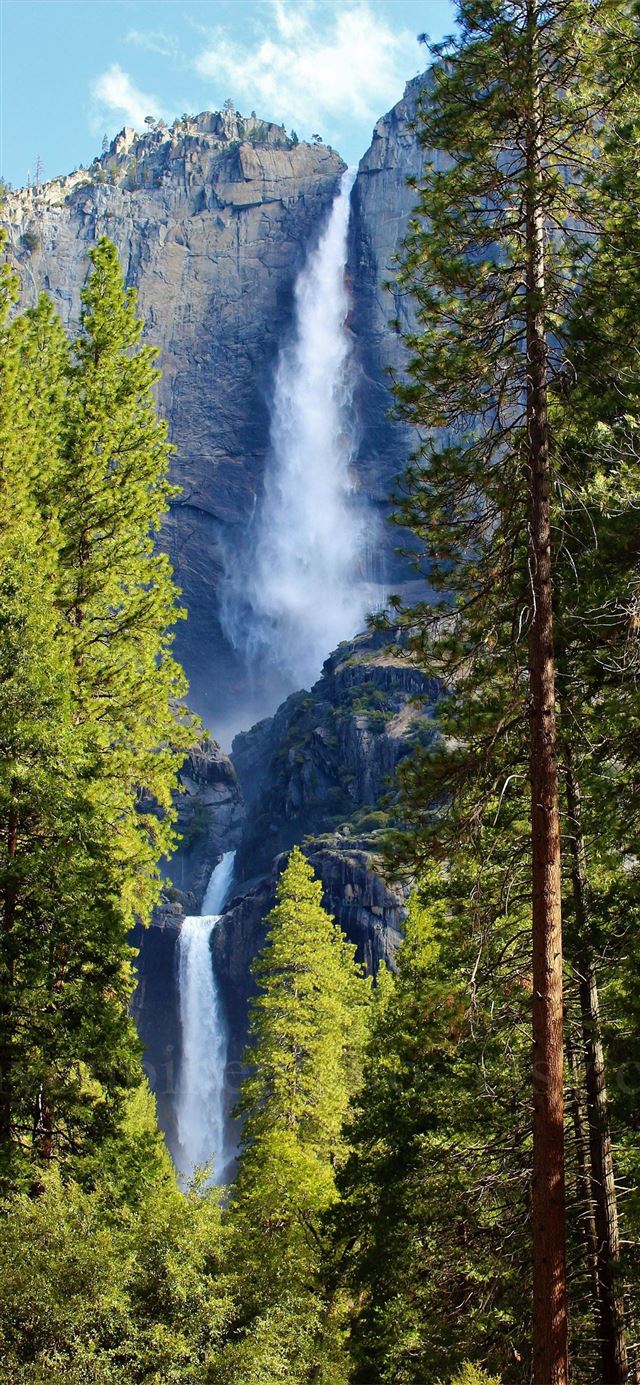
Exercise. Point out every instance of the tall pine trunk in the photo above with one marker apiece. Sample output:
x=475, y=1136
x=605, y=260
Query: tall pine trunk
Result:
x=550, y=1360
x=613, y=1350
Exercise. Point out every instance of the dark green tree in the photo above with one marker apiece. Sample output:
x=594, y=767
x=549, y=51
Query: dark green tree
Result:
x=492, y=262
x=431, y=1232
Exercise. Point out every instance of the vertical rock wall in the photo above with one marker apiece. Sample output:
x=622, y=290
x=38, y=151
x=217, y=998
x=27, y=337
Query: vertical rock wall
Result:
x=382, y=203
x=212, y=220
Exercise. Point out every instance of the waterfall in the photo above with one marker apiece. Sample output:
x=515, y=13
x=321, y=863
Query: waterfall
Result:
x=200, y=1107
x=303, y=588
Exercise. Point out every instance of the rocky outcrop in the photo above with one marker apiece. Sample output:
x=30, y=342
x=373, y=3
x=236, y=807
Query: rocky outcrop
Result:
x=320, y=773
x=324, y=762
x=210, y=817
x=382, y=204
x=212, y=219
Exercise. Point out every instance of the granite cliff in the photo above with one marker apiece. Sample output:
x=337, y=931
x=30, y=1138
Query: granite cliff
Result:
x=213, y=220
x=321, y=773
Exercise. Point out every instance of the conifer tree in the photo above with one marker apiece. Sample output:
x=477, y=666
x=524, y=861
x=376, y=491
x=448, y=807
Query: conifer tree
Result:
x=431, y=1229
x=89, y=737
x=595, y=418
x=490, y=262
x=307, y=1034
x=115, y=587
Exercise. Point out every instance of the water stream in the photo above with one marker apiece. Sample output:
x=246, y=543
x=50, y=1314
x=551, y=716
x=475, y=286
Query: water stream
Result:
x=305, y=584
x=200, y=1105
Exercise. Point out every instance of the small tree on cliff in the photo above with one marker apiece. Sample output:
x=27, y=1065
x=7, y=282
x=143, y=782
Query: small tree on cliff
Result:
x=307, y=1028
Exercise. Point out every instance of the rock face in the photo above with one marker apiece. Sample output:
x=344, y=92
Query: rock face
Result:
x=382, y=204
x=210, y=816
x=320, y=772
x=325, y=760
x=212, y=220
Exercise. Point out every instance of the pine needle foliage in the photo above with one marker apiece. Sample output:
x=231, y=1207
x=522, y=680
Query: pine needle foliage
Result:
x=307, y=1033
x=90, y=729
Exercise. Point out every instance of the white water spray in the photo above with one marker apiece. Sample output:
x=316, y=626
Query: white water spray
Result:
x=200, y=1099
x=304, y=588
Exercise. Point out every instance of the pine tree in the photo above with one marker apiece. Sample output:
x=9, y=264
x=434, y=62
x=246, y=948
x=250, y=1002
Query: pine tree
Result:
x=595, y=417
x=90, y=740
x=431, y=1229
x=307, y=1033
x=492, y=264
x=116, y=589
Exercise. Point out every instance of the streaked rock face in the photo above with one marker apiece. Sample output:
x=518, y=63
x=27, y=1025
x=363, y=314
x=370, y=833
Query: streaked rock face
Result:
x=382, y=205
x=212, y=220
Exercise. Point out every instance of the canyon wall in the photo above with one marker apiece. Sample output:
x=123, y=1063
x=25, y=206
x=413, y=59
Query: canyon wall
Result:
x=213, y=220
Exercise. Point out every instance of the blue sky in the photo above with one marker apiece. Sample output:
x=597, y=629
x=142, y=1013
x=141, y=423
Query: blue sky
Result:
x=74, y=70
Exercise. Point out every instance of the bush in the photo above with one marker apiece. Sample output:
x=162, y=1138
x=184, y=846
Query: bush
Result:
x=30, y=241
x=474, y=1375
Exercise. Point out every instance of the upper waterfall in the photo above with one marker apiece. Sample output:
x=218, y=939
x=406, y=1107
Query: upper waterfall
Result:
x=304, y=586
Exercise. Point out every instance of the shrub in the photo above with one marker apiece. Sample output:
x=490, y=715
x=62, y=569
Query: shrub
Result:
x=474, y=1375
x=30, y=241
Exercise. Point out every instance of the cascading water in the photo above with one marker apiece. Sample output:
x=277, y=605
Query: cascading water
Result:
x=200, y=1109
x=304, y=587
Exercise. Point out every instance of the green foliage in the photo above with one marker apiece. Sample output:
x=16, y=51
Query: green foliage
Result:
x=466, y=500
x=116, y=589
x=474, y=1375
x=432, y=1223
x=30, y=241
x=89, y=1291
x=307, y=1027
x=89, y=725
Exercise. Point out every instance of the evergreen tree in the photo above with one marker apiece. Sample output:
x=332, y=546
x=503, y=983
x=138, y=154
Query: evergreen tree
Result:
x=88, y=735
x=116, y=589
x=307, y=1031
x=492, y=264
x=119, y=1282
x=595, y=416
x=431, y=1230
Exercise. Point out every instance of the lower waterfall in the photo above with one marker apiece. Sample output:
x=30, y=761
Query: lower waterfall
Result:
x=304, y=581
x=200, y=1105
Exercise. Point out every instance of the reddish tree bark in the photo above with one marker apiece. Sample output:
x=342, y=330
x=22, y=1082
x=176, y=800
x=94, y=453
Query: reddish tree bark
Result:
x=550, y=1359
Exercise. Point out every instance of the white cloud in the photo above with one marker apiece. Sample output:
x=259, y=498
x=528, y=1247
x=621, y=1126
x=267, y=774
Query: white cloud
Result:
x=155, y=41
x=118, y=102
x=314, y=65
